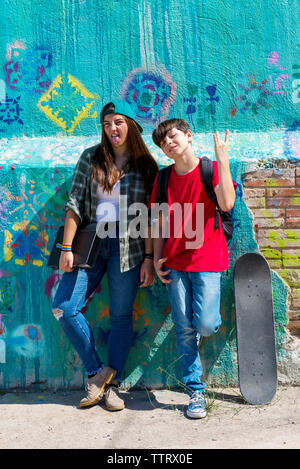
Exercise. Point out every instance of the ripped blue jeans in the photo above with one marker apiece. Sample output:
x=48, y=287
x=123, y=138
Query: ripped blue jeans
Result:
x=73, y=293
x=195, y=308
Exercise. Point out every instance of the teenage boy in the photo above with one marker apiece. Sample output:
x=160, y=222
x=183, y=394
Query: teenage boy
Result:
x=192, y=275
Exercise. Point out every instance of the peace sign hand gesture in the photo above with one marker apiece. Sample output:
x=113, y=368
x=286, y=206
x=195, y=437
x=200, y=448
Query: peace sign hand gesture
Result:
x=221, y=148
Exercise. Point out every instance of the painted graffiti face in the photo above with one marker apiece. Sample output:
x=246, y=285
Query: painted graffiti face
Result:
x=176, y=143
x=116, y=130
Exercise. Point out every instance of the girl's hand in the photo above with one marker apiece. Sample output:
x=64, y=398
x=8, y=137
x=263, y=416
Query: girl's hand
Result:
x=147, y=273
x=66, y=261
x=221, y=148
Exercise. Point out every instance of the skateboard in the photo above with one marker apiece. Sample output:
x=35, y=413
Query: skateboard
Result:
x=255, y=329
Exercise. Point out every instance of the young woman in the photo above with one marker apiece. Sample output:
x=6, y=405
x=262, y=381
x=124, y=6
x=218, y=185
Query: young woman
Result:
x=120, y=167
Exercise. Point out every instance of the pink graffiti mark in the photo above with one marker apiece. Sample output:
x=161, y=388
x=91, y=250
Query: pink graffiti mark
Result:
x=1, y=325
x=27, y=70
x=277, y=82
x=12, y=74
x=273, y=60
x=277, y=88
x=50, y=283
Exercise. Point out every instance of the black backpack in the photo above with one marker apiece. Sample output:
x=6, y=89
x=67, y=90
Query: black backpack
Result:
x=206, y=171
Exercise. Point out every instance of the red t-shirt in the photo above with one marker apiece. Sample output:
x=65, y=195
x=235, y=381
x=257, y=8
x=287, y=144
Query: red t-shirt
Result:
x=207, y=250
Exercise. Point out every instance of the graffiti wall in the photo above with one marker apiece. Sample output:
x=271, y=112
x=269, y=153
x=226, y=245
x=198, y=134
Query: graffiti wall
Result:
x=215, y=66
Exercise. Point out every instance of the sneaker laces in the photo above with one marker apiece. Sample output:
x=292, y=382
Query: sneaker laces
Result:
x=197, y=396
x=113, y=388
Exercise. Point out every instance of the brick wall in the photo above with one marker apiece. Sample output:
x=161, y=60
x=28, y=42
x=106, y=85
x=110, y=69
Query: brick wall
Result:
x=273, y=196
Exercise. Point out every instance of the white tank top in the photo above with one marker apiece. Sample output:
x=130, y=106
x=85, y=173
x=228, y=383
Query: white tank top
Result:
x=108, y=204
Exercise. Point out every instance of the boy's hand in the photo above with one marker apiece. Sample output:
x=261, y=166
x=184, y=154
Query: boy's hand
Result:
x=158, y=265
x=224, y=190
x=147, y=273
x=221, y=148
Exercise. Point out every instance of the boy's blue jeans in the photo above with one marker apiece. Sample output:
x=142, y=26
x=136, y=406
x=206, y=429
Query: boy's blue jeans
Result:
x=74, y=291
x=195, y=306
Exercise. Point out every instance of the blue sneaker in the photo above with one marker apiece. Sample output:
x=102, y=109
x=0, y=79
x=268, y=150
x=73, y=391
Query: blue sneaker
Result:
x=196, y=408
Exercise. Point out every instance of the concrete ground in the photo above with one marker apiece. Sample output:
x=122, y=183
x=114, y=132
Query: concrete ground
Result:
x=152, y=419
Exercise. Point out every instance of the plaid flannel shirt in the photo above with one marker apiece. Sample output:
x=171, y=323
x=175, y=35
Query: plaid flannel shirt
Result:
x=83, y=201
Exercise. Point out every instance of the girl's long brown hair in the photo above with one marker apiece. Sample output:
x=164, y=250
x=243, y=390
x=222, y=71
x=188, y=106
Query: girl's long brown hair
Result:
x=104, y=169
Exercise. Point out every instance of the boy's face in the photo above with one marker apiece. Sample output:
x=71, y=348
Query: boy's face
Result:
x=176, y=142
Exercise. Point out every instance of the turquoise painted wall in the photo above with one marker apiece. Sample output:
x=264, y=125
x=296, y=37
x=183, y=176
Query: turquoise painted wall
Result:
x=217, y=66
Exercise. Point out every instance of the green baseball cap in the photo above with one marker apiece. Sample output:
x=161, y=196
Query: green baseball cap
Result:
x=121, y=107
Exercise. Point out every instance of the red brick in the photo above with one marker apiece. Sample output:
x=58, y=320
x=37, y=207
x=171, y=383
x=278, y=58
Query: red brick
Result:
x=293, y=315
x=271, y=253
x=275, y=264
x=290, y=276
x=287, y=192
x=270, y=178
x=296, y=304
x=282, y=202
x=294, y=326
x=295, y=292
x=293, y=222
x=293, y=212
x=270, y=213
x=291, y=257
x=254, y=193
x=271, y=222
x=280, y=238
x=254, y=198
x=292, y=217
x=298, y=181
x=270, y=182
x=255, y=203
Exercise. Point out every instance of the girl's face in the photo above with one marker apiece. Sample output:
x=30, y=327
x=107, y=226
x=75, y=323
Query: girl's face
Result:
x=116, y=130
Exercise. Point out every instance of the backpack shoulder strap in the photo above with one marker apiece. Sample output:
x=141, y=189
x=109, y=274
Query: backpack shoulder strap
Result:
x=162, y=184
x=206, y=169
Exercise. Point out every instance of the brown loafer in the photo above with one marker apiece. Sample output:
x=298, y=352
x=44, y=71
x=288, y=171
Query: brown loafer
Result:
x=96, y=386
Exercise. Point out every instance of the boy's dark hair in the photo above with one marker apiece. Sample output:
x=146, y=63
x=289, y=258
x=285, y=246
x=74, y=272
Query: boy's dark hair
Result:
x=163, y=128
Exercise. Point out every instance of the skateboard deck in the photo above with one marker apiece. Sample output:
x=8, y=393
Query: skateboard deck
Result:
x=255, y=329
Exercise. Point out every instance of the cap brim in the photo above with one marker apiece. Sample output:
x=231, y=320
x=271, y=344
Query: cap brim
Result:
x=110, y=111
x=139, y=127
